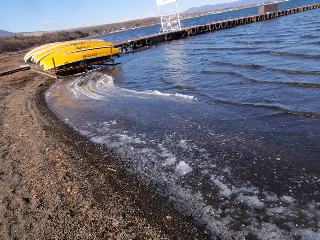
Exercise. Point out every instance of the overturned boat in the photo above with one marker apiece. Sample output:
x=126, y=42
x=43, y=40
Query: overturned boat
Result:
x=72, y=56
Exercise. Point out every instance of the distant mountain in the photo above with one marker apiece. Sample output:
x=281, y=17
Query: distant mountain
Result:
x=209, y=8
x=5, y=33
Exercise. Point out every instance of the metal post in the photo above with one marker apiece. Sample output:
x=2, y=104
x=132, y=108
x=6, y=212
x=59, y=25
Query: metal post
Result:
x=178, y=15
x=160, y=18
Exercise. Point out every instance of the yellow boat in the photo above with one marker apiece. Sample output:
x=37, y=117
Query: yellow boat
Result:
x=67, y=49
x=42, y=48
x=80, y=55
x=38, y=55
x=37, y=50
x=29, y=55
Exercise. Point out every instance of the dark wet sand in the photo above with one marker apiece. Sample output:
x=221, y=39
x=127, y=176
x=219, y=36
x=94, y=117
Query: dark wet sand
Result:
x=55, y=184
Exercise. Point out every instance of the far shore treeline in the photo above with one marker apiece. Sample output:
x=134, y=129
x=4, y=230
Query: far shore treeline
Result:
x=23, y=41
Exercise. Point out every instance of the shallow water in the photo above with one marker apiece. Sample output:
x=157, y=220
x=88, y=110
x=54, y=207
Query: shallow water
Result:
x=226, y=123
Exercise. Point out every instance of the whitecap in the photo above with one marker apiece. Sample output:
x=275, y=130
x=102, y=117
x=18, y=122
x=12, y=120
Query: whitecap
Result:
x=287, y=199
x=251, y=201
x=158, y=93
x=183, y=168
x=224, y=190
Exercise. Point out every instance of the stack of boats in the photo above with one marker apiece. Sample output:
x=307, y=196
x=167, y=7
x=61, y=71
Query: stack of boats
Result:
x=71, y=54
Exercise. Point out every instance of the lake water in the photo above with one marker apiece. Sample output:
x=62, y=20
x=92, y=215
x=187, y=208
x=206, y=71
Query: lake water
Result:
x=227, y=124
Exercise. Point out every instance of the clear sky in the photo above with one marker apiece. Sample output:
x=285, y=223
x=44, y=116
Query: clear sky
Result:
x=42, y=15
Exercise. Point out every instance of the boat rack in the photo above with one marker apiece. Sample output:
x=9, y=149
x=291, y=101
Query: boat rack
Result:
x=84, y=65
x=74, y=68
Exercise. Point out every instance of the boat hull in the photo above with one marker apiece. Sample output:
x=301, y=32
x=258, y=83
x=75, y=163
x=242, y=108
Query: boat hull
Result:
x=79, y=56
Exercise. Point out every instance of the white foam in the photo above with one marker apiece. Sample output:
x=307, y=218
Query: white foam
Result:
x=158, y=93
x=183, y=168
x=89, y=85
x=96, y=85
x=268, y=231
x=128, y=139
x=247, y=189
x=114, y=122
x=217, y=218
x=84, y=132
x=170, y=158
x=251, y=201
x=269, y=197
x=276, y=210
x=99, y=140
x=287, y=199
x=227, y=170
x=79, y=91
x=183, y=144
x=193, y=203
x=309, y=234
x=185, y=96
x=224, y=190
x=147, y=151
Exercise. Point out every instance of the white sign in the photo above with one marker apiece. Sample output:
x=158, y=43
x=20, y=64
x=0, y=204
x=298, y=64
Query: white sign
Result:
x=164, y=2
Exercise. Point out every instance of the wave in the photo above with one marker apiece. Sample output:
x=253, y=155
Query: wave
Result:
x=158, y=93
x=229, y=34
x=243, y=65
x=177, y=85
x=294, y=71
x=253, y=80
x=271, y=106
x=85, y=85
x=313, y=42
x=213, y=72
x=309, y=36
x=287, y=54
x=97, y=85
x=258, y=66
x=228, y=48
x=255, y=42
x=183, y=86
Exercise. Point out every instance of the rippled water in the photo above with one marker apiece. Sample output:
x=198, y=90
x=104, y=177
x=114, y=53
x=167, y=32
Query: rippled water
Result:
x=227, y=124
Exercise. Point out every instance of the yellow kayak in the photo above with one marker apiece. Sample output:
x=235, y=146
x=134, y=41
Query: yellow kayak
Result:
x=45, y=47
x=80, y=55
x=38, y=55
x=30, y=53
x=67, y=49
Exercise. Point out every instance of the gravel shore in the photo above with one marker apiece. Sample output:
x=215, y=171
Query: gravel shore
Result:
x=55, y=184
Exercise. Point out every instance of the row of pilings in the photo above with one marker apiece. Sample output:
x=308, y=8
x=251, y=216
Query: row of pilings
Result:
x=150, y=40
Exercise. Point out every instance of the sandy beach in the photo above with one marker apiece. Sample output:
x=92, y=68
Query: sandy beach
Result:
x=55, y=184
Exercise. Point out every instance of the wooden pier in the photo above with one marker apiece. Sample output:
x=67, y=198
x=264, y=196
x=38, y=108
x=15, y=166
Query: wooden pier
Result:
x=150, y=40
